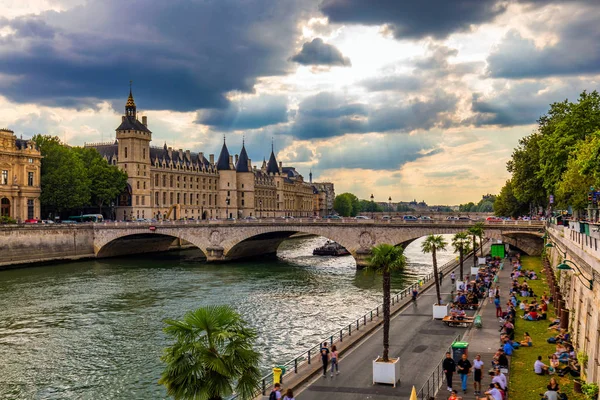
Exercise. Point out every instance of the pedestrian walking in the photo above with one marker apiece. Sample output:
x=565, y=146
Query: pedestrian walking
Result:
x=449, y=367
x=334, y=361
x=276, y=392
x=441, y=277
x=464, y=367
x=477, y=373
x=491, y=294
x=453, y=278
x=289, y=395
x=498, y=307
x=325, y=358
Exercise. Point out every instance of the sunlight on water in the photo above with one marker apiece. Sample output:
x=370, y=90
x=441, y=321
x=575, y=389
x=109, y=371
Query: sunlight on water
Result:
x=92, y=330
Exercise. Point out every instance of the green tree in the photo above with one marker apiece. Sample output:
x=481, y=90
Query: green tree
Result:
x=579, y=176
x=506, y=203
x=469, y=207
x=433, y=244
x=212, y=357
x=475, y=231
x=342, y=205
x=106, y=181
x=369, y=206
x=65, y=184
x=385, y=259
x=462, y=245
x=404, y=208
x=525, y=168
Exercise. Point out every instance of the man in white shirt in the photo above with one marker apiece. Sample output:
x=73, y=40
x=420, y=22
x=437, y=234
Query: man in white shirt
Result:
x=500, y=378
x=551, y=395
x=477, y=373
x=539, y=367
x=494, y=393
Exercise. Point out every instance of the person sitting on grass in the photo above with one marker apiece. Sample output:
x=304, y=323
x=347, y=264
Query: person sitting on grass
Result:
x=526, y=340
x=532, y=315
x=539, y=367
x=500, y=360
x=554, y=364
x=553, y=385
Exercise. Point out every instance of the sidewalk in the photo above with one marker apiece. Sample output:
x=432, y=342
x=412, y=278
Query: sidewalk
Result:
x=415, y=337
x=484, y=341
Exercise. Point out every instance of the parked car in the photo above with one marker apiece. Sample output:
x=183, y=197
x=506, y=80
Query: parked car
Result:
x=409, y=218
x=361, y=217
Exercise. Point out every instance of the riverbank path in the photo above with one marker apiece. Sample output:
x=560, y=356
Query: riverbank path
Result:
x=415, y=337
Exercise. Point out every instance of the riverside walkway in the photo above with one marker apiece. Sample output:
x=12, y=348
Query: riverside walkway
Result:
x=415, y=337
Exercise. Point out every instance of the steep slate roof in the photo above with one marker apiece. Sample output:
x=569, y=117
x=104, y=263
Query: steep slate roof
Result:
x=132, y=124
x=242, y=164
x=223, y=161
x=272, y=166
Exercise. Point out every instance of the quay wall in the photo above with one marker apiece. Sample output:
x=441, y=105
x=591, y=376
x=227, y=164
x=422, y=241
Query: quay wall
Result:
x=23, y=244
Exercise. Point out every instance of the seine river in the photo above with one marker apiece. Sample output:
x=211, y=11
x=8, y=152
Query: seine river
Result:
x=93, y=329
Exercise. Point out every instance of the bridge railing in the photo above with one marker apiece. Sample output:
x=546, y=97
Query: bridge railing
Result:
x=313, y=354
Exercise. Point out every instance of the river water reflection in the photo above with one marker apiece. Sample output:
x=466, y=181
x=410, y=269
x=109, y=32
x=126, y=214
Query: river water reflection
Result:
x=93, y=329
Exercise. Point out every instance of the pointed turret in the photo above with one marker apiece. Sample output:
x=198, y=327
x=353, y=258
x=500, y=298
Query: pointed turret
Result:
x=272, y=165
x=242, y=163
x=310, y=176
x=130, y=108
x=223, y=161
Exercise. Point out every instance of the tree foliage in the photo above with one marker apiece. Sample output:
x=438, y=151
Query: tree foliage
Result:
x=75, y=177
x=212, y=356
x=507, y=204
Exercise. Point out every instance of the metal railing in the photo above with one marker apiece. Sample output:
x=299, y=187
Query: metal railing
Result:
x=431, y=387
x=308, y=356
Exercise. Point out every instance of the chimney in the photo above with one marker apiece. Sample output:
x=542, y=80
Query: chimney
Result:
x=280, y=165
x=200, y=157
x=236, y=159
x=230, y=160
x=170, y=152
x=180, y=154
x=250, y=164
x=145, y=121
x=188, y=155
x=212, y=158
x=123, y=118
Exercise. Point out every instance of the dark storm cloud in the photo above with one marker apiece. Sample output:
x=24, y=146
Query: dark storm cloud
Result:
x=182, y=55
x=327, y=115
x=414, y=19
x=575, y=53
x=319, y=53
x=387, y=152
x=246, y=114
x=523, y=103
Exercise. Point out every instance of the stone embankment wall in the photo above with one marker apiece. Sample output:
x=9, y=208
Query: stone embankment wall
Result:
x=22, y=244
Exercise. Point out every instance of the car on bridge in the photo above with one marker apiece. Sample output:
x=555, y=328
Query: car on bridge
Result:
x=361, y=217
x=332, y=217
x=410, y=218
x=494, y=219
x=425, y=218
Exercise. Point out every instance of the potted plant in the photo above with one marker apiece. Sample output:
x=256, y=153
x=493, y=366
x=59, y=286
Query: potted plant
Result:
x=432, y=244
x=590, y=390
x=384, y=259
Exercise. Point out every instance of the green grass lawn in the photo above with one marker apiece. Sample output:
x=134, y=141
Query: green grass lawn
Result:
x=524, y=383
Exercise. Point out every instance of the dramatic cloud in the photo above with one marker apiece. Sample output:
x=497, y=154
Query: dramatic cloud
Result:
x=522, y=103
x=319, y=53
x=575, y=53
x=414, y=19
x=246, y=113
x=181, y=55
x=328, y=115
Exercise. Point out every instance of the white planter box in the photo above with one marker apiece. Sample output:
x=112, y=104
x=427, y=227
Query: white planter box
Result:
x=440, y=312
x=459, y=284
x=481, y=260
x=386, y=372
x=474, y=271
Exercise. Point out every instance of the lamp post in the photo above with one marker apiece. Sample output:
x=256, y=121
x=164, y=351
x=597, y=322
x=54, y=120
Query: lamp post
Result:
x=260, y=208
x=227, y=209
x=390, y=205
x=372, y=207
x=564, y=266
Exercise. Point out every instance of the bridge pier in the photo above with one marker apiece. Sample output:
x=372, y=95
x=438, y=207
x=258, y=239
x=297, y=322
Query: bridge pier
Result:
x=361, y=256
x=215, y=253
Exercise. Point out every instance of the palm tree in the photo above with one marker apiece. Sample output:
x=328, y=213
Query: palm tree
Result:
x=212, y=356
x=461, y=245
x=480, y=227
x=475, y=231
x=432, y=244
x=385, y=259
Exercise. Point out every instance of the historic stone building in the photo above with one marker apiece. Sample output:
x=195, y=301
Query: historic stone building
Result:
x=20, y=167
x=166, y=183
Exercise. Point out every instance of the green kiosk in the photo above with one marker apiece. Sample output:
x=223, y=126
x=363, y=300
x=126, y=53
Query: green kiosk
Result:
x=498, y=250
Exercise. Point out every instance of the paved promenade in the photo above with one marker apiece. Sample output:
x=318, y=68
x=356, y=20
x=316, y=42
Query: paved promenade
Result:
x=415, y=337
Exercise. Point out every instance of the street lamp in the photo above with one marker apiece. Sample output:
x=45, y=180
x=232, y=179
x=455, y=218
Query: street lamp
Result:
x=564, y=266
x=372, y=207
x=227, y=209
x=390, y=204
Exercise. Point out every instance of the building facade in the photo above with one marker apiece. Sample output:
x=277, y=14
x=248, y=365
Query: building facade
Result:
x=324, y=196
x=20, y=169
x=165, y=183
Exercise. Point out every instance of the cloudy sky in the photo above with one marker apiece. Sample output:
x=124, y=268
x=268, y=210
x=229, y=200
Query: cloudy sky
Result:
x=403, y=99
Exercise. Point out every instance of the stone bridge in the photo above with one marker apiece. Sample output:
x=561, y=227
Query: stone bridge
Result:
x=229, y=240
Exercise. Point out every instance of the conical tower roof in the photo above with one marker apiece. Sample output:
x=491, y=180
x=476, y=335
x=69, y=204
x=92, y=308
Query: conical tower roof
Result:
x=223, y=161
x=242, y=164
x=272, y=166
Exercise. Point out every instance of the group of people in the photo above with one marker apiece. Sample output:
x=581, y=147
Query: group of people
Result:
x=496, y=389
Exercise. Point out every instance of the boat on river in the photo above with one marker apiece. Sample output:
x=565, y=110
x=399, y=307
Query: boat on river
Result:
x=331, y=249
